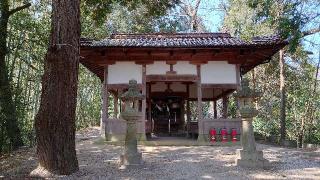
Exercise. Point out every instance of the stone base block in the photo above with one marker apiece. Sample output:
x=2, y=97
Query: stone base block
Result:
x=115, y=137
x=141, y=137
x=251, y=159
x=122, y=137
x=202, y=138
x=130, y=160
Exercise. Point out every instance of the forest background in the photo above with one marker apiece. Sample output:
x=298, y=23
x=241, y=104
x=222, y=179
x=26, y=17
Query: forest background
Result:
x=290, y=102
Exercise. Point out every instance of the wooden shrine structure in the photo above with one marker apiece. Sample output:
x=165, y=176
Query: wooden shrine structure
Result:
x=172, y=70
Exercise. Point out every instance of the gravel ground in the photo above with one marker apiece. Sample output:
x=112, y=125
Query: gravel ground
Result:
x=98, y=161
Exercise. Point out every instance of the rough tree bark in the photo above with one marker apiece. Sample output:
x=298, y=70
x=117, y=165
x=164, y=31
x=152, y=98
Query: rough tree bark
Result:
x=55, y=121
x=7, y=105
x=282, y=98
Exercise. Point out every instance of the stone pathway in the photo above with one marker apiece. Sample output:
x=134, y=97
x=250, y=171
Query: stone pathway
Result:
x=100, y=161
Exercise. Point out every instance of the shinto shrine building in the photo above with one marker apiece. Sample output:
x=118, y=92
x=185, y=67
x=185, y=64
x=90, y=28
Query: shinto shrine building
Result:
x=172, y=71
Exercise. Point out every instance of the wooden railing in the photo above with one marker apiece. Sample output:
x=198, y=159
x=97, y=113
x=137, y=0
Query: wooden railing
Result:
x=118, y=126
x=218, y=124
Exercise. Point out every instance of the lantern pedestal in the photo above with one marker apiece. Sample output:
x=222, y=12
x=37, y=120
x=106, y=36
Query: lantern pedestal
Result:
x=131, y=156
x=251, y=159
x=248, y=156
x=128, y=160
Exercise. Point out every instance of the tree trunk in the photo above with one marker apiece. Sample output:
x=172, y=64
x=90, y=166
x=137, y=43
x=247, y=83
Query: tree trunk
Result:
x=282, y=98
x=7, y=105
x=55, y=121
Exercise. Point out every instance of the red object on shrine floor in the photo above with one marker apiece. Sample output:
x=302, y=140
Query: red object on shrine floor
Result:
x=213, y=134
x=224, y=135
x=234, y=135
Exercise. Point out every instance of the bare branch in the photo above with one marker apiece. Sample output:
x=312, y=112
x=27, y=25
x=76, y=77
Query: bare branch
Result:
x=11, y=12
x=195, y=11
x=310, y=32
x=184, y=9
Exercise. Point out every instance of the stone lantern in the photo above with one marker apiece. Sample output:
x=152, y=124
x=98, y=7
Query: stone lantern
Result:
x=131, y=156
x=248, y=156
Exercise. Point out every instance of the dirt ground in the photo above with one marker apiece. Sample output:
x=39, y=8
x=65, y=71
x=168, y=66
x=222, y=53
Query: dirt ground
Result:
x=101, y=161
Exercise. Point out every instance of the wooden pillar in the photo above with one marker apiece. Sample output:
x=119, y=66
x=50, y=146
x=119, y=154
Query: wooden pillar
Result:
x=149, y=108
x=214, y=104
x=225, y=100
x=144, y=92
x=149, y=103
x=188, y=110
x=104, y=92
x=143, y=103
x=120, y=105
x=115, y=104
x=183, y=111
x=201, y=137
x=215, y=112
x=238, y=73
x=238, y=70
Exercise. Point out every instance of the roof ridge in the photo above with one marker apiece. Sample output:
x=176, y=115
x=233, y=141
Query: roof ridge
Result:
x=168, y=35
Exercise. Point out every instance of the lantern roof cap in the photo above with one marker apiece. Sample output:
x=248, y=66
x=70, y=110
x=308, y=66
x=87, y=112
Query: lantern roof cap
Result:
x=133, y=92
x=246, y=91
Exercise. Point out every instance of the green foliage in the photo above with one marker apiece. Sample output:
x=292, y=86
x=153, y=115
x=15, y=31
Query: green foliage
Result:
x=291, y=18
x=241, y=21
x=89, y=99
x=194, y=110
x=261, y=17
x=313, y=136
x=98, y=10
x=28, y=40
x=232, y=107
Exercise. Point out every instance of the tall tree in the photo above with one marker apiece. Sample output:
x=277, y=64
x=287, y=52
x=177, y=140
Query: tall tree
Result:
x=7, y=105
x=246, y=22
x=55, y=121
x=282, y=98
x=190, y=8
x=294, y=22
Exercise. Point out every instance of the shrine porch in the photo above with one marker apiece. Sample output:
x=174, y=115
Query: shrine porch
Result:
x=116, y=129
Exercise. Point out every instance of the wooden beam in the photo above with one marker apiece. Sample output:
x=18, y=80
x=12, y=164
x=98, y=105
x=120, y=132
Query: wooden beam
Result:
x=195, y=59
x=171, y=78
x=94, y=60
x=144, y=62
x=220, y=86
x=171, y=62
x=225, y=93
x=203, y=99
x=198, y=62
x=165, y=94
x=121, y=86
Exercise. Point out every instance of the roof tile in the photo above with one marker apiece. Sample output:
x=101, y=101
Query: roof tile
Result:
x=178, y=40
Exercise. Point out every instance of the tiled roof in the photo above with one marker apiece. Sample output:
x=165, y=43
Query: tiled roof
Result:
x=184, y=40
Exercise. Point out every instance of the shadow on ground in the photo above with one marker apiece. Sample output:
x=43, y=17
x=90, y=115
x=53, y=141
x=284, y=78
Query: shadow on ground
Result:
x=100, y=161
